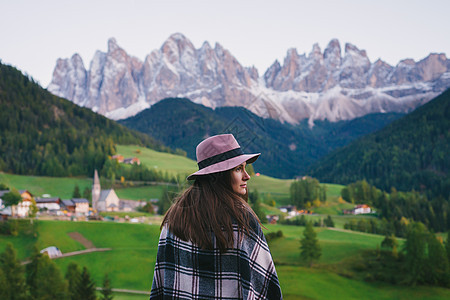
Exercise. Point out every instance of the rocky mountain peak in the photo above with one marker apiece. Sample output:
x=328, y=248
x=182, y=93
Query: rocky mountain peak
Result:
x=433, y=66
x=77, y=60
x=206, y=47
x=332, y=54
x=353, y=50
x=70, y=78
x=177, y=47
x=271, y=73
x=112, y=45
x=315, y=86
x=218, y=48
x=316, y=52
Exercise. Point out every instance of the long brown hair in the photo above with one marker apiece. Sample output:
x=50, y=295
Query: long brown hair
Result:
x=209, y=206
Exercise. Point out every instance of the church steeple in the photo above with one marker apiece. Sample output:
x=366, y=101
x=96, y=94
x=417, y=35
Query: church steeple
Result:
x=96, y=189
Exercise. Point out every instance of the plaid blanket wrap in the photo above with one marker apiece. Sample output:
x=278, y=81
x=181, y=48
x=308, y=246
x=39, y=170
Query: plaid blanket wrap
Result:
x=184, y=271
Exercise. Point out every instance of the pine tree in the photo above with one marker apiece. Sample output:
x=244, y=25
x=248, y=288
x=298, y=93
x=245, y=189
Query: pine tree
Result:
x=13, y=274
x=32, y=270
x=447, y=246
x=415, y=248
x=86, y=287
x=76, y=192
x=437, y=265
x=44, y=278
x=87, y=193
x=3, y=286
x=166, y=200
x=106, y=289
x=73, y=276
x=329, y=221
x=256, y=206
x=310, y=248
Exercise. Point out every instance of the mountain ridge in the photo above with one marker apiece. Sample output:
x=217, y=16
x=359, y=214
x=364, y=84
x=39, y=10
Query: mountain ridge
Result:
x=410, y=153
x=318, y=86
x=43, y=134
x=287, y=150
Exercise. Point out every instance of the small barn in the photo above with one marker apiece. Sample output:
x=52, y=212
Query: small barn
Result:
x=51, y=251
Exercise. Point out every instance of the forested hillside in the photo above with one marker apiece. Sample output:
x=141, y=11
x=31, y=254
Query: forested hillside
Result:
x=42, y=134
x=410, y=153
x=287, y=150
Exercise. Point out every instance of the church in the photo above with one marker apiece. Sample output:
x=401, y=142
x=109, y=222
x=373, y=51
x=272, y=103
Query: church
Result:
x=103, y=200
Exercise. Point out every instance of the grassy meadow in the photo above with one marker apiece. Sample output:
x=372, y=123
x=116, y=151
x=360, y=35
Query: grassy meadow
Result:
x=131, y=261
x=277, y=189
x=38, y=185
x=165, y=162
x=140, y=193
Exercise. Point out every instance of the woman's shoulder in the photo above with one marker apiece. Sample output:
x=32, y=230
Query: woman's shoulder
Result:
x=254, y=222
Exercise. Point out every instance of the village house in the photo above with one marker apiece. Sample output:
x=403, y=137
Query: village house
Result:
x=50, y=204
x=22, y=209
x=272, y=219
x=81, y=205
x=1, y=195
x=68, y=206
x=78, y=206
x=132, y=160
x=291, y=210
x=358, y=210
x=118, y=157
x=129, y=160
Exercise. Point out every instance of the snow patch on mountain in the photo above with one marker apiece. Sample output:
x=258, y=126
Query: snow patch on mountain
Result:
x=316, y=86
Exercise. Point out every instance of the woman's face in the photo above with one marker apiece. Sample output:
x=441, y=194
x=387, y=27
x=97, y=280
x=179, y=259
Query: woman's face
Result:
x=239, y=179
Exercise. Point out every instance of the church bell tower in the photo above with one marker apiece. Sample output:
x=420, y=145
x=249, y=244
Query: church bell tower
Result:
x=96, y=189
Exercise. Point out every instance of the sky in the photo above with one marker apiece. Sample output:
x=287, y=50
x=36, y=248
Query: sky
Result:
x=34, y=34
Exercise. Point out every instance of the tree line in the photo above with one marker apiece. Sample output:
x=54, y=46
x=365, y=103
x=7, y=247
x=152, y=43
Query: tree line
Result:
x=410, y=153
x=395, y=206
x=46, y=135
x=423, y=259
x=114, y=170
x=41, y=279
x=306, y=192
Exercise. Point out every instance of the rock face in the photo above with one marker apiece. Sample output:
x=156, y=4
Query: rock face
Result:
x=319, y=85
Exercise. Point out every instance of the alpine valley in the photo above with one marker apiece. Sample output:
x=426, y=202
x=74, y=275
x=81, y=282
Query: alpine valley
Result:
x=320, y=85
x=287, y=149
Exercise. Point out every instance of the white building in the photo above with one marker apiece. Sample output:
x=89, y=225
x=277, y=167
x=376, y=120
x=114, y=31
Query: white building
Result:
x=52, y=251
x=50, y=204
x=103, y=200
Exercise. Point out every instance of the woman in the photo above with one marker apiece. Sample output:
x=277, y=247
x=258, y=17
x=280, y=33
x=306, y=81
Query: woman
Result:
x=211, y=244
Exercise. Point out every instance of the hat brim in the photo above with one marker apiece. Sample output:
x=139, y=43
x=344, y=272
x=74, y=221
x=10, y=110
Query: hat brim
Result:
x=225, y=165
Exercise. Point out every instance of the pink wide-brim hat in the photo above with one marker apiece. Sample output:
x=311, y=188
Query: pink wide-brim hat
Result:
x=220, y=153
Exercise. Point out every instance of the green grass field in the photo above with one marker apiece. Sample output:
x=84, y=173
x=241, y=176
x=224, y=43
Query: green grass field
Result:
x=140, y=193
x=173, y=164
x=38, y=185
x=131, y=261
x=125, y=296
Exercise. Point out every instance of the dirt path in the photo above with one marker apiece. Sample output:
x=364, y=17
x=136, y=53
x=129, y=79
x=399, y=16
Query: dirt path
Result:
x=74, y=253
x=356, y=232
x=127, y=291
x=81, y=239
